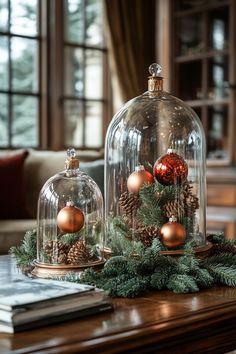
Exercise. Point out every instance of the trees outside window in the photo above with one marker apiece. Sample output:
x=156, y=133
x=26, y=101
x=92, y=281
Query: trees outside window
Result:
x=53, y=74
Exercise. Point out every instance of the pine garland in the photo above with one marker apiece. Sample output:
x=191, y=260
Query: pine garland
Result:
x=143, y=269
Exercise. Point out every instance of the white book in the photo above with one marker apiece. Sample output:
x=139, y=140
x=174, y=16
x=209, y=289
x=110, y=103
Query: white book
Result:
x=24, y=292
x=27, y=303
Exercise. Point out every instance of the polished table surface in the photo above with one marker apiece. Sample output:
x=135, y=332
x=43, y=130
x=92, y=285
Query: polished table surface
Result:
x=161, y=322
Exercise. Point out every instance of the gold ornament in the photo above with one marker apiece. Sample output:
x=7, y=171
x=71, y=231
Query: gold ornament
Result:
x=172, y=234
x=138, y=178
x=70, y=218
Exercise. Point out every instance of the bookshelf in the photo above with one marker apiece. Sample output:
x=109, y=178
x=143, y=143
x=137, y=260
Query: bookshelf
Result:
x=200, y=57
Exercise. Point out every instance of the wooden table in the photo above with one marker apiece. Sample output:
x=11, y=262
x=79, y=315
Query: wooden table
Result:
x=160, y=322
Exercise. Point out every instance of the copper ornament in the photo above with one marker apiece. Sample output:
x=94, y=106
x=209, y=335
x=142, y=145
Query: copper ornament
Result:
x=172, y=234
x=138, y=178
x=170, y=169
x=70, y=218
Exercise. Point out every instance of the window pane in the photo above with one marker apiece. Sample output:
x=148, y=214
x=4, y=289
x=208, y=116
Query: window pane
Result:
x=24, y=64
x=94, y=22
x=24, y=17
x=93, y=131
x=93, y=74
x=190, y=30
x=74, y=82
x=3, y=15
x=219, y=28
x=4, y=63
x=24, y=122
x=217, y=140
x=74, y=21
x=218, y=78
x=74, y=125
x=4, y=120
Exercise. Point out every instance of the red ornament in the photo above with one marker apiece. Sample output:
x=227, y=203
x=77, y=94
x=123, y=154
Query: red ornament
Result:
x=172, y=234
x=138, y=178
x=170, y=169
x=70, y=218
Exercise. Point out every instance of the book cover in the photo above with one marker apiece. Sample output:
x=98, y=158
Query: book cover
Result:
x=52, y=307
x=10, y=327
x=19, y=292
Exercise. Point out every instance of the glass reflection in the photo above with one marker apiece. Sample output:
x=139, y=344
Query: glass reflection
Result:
x=74, y=123
x=4, y=15
x=93, y=74
x=24, y=17
x=93, y=130
x=4, y=63
x=24, y=121
x=74, y=19
x=3, y=120
x=74, y=74
x=24, y=64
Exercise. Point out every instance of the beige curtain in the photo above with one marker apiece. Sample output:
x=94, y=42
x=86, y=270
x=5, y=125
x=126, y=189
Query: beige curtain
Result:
x=131, y=27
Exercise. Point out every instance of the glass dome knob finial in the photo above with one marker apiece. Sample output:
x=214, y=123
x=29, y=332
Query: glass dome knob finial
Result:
x=71, y=153
x=155, y=69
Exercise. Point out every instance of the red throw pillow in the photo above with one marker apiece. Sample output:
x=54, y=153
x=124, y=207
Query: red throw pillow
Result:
x=12, y=200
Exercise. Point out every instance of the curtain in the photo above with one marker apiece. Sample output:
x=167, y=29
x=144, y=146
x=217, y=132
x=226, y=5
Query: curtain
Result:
x=131, y=27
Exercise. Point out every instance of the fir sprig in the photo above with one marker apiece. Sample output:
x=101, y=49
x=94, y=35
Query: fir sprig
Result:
x=26, y=252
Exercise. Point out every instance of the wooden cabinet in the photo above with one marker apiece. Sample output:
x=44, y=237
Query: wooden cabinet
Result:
x=201, y=59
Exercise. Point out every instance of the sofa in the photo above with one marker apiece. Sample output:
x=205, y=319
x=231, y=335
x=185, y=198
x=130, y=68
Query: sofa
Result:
x=22, y=181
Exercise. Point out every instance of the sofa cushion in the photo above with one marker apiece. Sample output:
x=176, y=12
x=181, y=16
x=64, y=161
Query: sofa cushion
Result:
x=13, y=201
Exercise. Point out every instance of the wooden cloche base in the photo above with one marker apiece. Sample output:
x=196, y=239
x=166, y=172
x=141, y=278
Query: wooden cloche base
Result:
x=45, y=270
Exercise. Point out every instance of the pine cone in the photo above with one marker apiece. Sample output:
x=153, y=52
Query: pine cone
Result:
x=222, y=248
x=79, y=253
x=146, y=234
x=190, y=201
x=130, y=203
x=56, y=251
x=191, y=204
x=174, y=207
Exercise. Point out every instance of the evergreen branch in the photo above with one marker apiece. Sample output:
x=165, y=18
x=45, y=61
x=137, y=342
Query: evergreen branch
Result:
x=203, y=278
x=223, y=274
x=221, y=258
x=151, y=216
x=71, y=239
x=26, y=252
x=182, y=283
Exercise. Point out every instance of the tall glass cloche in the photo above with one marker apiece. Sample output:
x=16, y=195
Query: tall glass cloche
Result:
x=155, y=173
x=70, y=222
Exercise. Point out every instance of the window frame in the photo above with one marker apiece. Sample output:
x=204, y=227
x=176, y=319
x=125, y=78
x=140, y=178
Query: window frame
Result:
x=50, y=85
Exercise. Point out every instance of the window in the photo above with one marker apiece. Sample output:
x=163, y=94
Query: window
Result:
x=19, y=77
x=53, y=74
x=84, y=55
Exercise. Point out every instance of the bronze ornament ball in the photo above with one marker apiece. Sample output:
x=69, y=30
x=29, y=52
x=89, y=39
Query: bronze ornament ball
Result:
x=70, y=219
x=172, y=234
x=138, y=178
x=170, y=169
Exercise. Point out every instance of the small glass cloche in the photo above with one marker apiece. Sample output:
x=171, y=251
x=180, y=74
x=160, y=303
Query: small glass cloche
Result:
x=155, y=173
x=69, y=222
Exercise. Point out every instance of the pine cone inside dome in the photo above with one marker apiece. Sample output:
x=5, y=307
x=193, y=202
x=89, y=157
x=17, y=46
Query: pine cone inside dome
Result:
x=79, y=253
x=174, y=207
x=146, y=234
x=130, y=203
x=189, y=199
x=56, y=251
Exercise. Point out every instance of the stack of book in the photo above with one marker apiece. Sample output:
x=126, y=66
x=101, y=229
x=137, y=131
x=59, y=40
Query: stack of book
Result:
x=29, y=303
